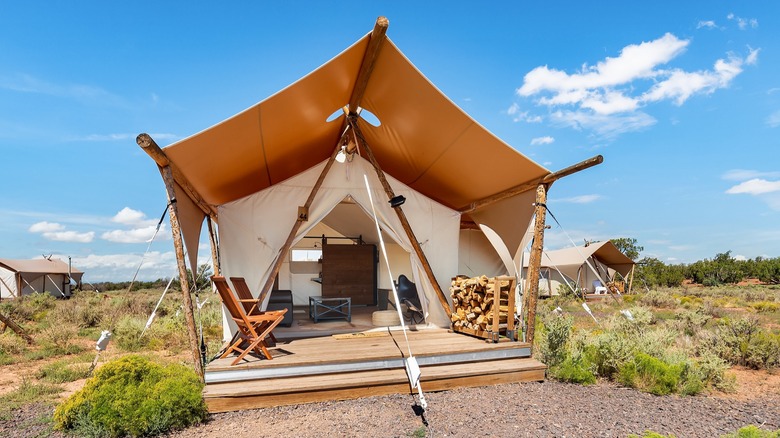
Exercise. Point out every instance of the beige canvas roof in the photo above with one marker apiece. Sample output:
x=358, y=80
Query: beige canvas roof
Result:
x=40, y=266
x=568, y=260
x=424, y=139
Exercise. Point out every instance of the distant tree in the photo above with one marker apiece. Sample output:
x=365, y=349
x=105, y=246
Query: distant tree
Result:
x=628, y=246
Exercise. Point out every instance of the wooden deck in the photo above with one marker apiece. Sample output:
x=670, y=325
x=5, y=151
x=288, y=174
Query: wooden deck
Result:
x=364, y=364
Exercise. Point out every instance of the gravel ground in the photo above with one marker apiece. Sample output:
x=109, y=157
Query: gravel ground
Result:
x=548, y=409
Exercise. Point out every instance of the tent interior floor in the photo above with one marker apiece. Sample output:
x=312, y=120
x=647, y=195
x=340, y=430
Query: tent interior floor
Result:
x=362, y=364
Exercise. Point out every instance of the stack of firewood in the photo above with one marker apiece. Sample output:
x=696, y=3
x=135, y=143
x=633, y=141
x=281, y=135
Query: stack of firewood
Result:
x=474, y=302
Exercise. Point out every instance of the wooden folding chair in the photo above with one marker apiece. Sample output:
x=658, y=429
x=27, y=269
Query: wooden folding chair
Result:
x=253, y=329
x=251, y=306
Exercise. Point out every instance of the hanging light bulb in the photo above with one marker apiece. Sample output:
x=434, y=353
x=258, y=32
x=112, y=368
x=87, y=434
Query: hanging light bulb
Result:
x=342, y=155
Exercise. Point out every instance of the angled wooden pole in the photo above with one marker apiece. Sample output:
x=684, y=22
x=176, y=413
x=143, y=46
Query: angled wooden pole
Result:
x=18, y=330
x=178, y=245
x=522, y=188
x=214, y=247
x=369, y=60
x=269, y=282
x=401, y=216
x=147, y=143
x=535, y=262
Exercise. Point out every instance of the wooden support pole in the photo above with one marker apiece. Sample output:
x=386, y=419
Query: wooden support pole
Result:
x=178, y=245
x=369, y=60
x=15, y=327
x=149, y=146
x=269, y=282
x=631, y=279
x=534, y=262
x=522, y=188
x=401, y=216
x=214, y=247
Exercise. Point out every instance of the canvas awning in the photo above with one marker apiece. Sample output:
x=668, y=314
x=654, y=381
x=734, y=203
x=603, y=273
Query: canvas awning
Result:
x=569, y=260
x=41, y=266
x=423, y=140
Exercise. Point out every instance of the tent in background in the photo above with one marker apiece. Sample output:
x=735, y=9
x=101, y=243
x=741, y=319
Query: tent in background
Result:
x=25, y=277
x=606, y=261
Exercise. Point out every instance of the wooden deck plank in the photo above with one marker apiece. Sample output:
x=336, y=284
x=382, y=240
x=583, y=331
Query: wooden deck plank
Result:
x=247, y=395
x=320, y=351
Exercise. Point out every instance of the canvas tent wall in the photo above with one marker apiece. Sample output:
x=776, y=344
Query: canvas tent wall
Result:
x=25, y=277
x=251, y=172
x=571, y=264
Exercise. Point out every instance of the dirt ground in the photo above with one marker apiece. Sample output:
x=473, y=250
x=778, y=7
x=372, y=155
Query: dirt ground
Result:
x=548, y=409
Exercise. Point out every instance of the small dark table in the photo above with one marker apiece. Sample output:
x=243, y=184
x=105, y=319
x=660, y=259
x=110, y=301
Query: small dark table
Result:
x=330, y=308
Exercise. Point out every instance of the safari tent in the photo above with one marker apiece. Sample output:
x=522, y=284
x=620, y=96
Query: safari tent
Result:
x=25, y=277
x=583, y=266
x=365, y=131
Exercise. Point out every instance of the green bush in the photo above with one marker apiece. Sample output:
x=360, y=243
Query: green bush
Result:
x=133, y=396
x=753, y=432
x=659, y=300
x=572, y=370
x=653, y=375
x=554, y=339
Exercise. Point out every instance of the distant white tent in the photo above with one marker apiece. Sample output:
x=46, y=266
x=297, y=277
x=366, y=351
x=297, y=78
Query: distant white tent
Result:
x=581, y=266
x=25, y=277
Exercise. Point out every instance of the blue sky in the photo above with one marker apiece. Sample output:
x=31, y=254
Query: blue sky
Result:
x=681, y=98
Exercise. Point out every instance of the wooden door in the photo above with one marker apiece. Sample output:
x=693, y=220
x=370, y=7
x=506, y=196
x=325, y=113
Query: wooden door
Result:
x=350, y=271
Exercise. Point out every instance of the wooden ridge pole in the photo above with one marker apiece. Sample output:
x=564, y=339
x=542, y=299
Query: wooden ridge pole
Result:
x=369, y=60
x=534, y=263
x=178, y=245
x=269, y=282
x=401, y=216
x=149, y=146
x=522, y=188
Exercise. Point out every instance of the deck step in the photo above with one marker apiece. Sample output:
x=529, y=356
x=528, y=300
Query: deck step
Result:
x=228, y=396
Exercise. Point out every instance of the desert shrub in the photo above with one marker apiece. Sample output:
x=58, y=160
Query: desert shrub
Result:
x=658, y=299
x=127, y=333
x=712, y=371
x=136, y=397
x=10, y=343
x=766, y=306
x=650, y=434
x=63, y=371
x=691, y=321
x=763, y=351
x=656, y=376
x=608, y=351
x=33, y=307
x=574, y=370
x=753, y=431
x=59, y=337
x=554, y=338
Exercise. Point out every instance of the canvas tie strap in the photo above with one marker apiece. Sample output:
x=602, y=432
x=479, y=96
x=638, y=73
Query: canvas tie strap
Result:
x=410, y=362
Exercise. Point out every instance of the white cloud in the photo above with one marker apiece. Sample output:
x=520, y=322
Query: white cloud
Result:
x=773, y=121
x=603, y=125
x=522, y=116
x=635, y=61
x=57, y=232
x=542, y=140
x=743, y=23
x=740, y=257
x=121, y=267
x=25, y=83
x=608, y=97
x=744, y=175
x=680, y=85
x=135, y=235
x=70, y=236
x=583, y=199
x=128, y=216
x=756, y=186
x=709, y=24
x=45, y=227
